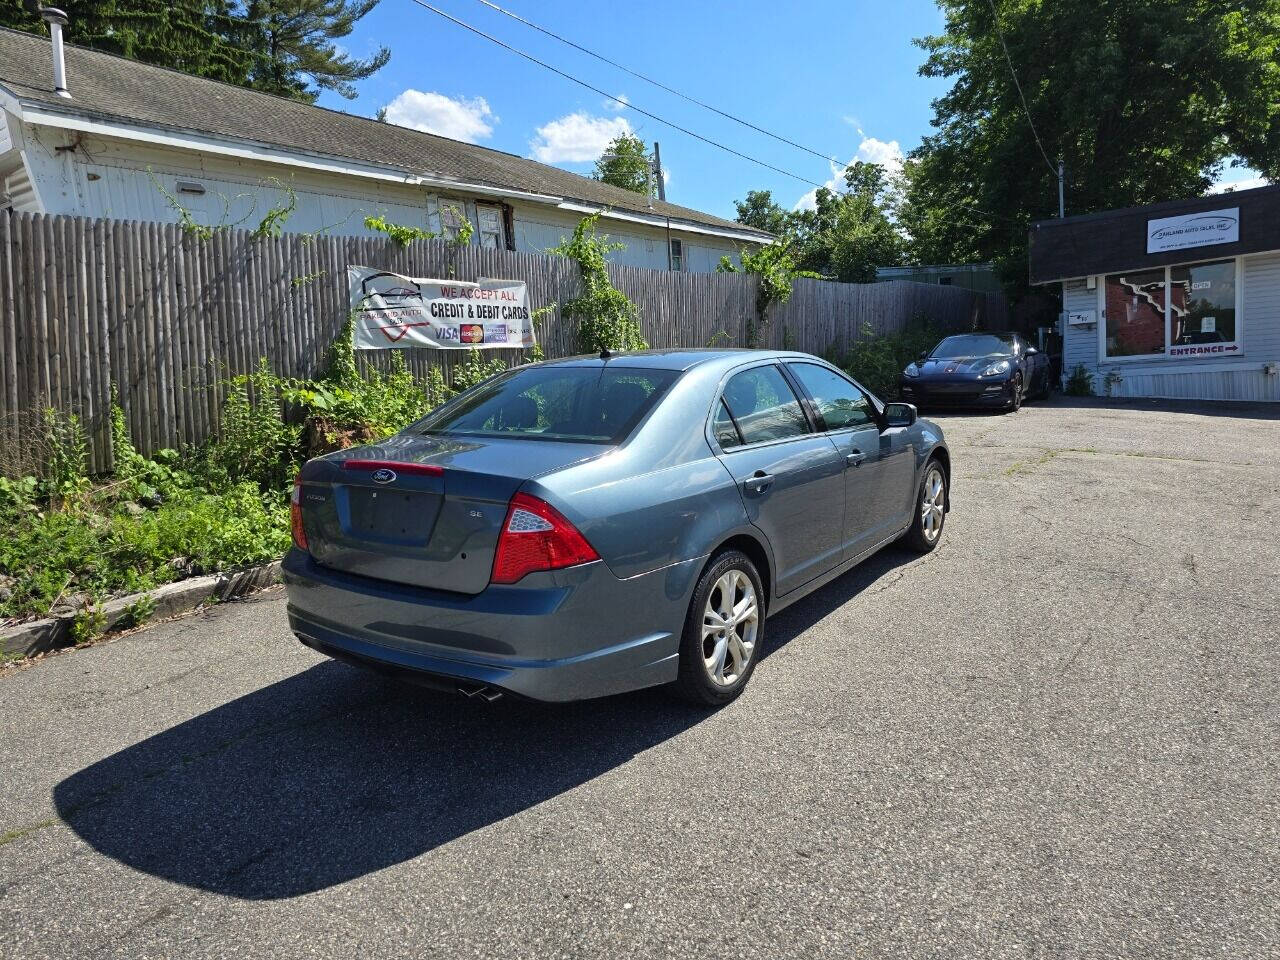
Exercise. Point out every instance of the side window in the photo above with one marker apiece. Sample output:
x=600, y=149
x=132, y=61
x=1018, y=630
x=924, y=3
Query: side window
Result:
x=724, y=429
x=764, y=405
x=838, y=402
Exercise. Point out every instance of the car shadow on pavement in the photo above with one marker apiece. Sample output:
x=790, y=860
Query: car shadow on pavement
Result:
x=335, y=773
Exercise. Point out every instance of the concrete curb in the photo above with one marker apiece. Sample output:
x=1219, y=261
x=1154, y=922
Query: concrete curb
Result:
x=171, y=600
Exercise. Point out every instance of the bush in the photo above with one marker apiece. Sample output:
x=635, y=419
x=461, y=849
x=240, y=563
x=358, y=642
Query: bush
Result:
x=1080, y=382
x=68, y=541
x=876, y=361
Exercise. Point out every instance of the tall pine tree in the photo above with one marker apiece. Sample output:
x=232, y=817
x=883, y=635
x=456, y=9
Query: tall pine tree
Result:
x=296, y=43
x=286, y=47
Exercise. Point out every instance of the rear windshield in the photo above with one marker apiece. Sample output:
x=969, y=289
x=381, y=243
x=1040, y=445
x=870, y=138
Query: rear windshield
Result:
x=583, y=404
x=972, y=345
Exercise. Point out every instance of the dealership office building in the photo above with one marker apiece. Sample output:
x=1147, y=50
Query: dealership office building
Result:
x=1176, y=299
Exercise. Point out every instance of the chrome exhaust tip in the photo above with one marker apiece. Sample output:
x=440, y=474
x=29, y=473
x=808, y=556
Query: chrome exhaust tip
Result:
x=483, y=691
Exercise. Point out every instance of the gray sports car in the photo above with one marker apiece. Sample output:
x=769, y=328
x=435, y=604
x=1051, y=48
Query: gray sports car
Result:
x=587, y=526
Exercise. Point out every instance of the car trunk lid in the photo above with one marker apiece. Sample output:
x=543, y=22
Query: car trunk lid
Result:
x=422, y=510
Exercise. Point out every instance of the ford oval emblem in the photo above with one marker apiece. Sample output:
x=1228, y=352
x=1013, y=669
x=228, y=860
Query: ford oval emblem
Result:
x=384, y=475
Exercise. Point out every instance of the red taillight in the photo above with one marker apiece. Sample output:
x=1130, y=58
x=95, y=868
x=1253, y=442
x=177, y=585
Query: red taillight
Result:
x=536, y=537
x=295, y=514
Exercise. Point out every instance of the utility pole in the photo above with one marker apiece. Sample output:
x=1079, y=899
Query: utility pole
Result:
x=657, y=172
x=1061, y=206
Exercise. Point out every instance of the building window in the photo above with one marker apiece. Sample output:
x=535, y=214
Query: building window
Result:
x=1182, y=311
x=1202, y=306
x=677, y=254
x=490, y=232
x=453, y=214
x=1135, y=314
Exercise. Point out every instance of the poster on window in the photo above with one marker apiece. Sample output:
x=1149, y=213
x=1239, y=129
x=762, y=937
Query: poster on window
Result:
x=394, y=312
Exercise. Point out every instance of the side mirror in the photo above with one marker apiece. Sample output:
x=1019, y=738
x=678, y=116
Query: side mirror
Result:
x=900, y=414
x=924, y=355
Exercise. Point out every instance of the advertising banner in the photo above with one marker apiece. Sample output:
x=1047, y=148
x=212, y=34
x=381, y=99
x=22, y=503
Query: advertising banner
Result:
x=395, y=312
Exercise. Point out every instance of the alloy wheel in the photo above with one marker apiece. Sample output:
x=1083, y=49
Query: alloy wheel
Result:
x=933, y=504
x=730, y=624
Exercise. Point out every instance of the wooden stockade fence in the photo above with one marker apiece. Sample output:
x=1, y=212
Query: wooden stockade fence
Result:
x=166, y=317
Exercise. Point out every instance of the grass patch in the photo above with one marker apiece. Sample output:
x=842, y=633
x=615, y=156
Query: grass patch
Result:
x=1019, y=467
x=20, y=832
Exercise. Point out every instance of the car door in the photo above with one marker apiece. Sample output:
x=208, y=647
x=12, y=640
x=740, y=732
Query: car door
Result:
x=879, y=464
x=790, y=477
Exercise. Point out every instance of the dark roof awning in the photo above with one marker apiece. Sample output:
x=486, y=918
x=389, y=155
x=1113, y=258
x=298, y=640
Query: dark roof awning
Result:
x=1128, y=239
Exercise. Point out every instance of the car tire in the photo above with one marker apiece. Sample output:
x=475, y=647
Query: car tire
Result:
x=713, y=668
x=930, y=516
x=1015, y=400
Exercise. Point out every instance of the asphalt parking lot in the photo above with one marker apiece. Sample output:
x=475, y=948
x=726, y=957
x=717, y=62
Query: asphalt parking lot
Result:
x=1054, y=736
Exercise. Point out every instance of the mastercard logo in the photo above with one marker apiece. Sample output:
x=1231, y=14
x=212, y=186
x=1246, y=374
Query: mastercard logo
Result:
x=471, y=333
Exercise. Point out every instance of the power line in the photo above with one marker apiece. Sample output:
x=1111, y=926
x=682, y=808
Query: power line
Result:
x=657, y=83
x=623, y=103
x=995, y=23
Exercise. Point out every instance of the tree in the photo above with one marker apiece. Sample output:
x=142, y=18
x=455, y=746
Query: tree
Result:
x=760, y=211
x=850, y=233
x=201, y=37
x=625, y=164
x=296, y=42
x=1144, y=100
x=280, y=46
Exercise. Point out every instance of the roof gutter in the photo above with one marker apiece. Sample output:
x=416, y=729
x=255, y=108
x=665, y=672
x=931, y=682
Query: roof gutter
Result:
x=156, y=135
x=658, y=220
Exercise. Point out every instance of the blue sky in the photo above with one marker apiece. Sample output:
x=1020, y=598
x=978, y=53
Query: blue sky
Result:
x=839, y=77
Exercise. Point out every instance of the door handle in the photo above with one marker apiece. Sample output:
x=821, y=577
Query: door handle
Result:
x=759, y=482
x=855, y=458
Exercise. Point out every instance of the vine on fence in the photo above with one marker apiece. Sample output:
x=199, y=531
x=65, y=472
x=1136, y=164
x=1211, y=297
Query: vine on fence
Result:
x=607, y=320
x=775, y=270
x=400, y=234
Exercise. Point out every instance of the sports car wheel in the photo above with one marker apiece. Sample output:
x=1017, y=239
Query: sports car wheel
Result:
x=722, y=632
x=1015, y=396
x=931, y=510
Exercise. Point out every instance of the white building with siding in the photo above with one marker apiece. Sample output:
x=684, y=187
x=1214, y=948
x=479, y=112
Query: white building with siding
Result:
x=1177, y=300
x=138, y=142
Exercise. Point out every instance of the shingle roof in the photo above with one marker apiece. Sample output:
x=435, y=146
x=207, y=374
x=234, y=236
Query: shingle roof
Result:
x=113, y=88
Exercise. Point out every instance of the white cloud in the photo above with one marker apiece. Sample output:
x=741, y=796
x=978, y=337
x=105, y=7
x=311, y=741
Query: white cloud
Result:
x=465, y=119
x=886, y=153
x=576, y=138
x=615, y=106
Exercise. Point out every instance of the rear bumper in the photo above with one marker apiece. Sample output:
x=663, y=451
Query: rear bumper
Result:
x=570, y=635
x=965, y=394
